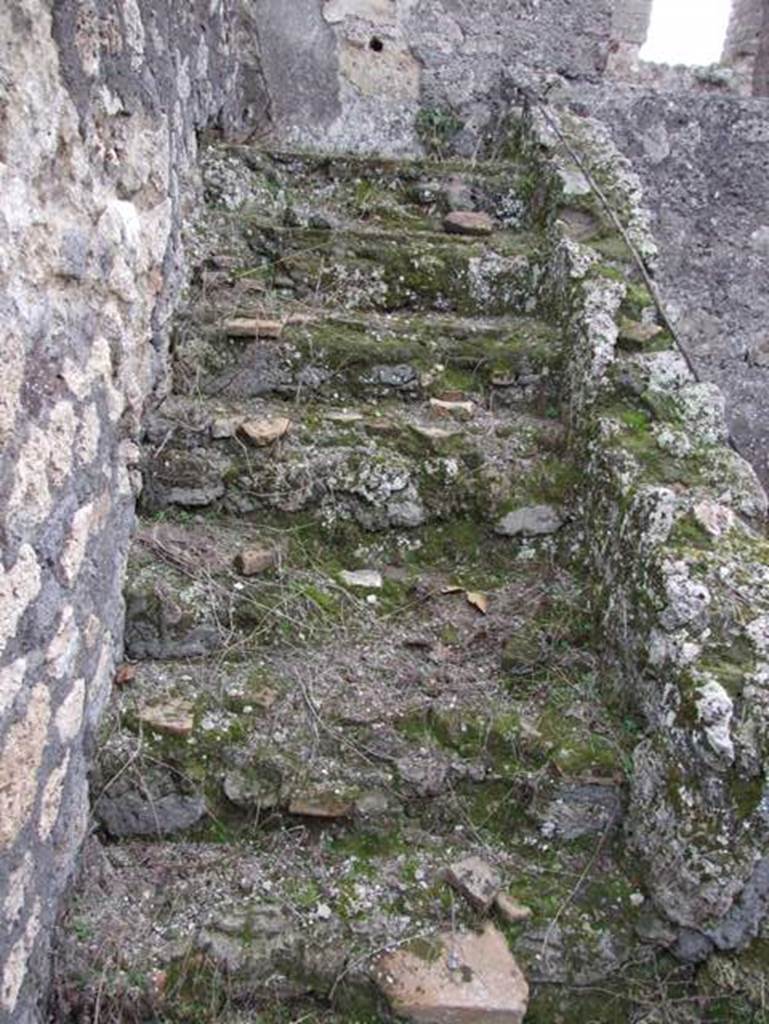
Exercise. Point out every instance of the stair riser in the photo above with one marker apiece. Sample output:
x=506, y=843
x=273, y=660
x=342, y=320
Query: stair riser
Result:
x=297, y=190
x=377, y=489
x=305, y=369
x=387, y=274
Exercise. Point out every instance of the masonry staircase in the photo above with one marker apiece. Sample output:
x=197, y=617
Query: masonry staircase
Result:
x=359, y=712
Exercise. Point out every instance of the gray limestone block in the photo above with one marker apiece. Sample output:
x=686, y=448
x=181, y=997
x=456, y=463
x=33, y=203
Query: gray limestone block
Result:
x=132, y=814
x=531, y=521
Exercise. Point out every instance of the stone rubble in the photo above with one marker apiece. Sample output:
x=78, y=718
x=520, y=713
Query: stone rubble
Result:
x=467, y=222
x=262, y=433
x=365, y=579
x=476, y=880
x=176, y=718
x=254, y=560
x=532, y=521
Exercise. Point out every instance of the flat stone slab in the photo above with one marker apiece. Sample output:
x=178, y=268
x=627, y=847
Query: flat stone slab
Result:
x=457, y=979
x=440, y=407
x=476, y=880
x=532, y=521
x=251, y=561
x=433, y=435
x=343, y=417
x=366, y=579
x=264, y=432
x=175, y=718
x=252, y=327
x=468, y=222
x=320, y=805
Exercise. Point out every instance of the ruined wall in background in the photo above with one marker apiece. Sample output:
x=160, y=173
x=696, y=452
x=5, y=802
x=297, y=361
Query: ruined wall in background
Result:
x=352, y=74
x=747, y=44
x=630, y=27
x=99, y=106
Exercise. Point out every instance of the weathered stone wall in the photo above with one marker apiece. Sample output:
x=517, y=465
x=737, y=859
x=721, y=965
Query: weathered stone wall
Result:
x=99, y=106
x=701, y=159
x=630, y=26
x=761, y=68
x=673, y=538
x=352, y=74
x=747, y=44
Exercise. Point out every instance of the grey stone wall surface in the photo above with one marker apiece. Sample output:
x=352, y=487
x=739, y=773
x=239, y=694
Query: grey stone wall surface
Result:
x=702, y=159
x=672, y=612
x=100, y=103
x=630, y=26
x=352, y=74
x=747, y=43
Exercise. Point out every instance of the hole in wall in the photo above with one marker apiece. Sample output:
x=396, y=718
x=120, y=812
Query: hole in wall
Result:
x=691, y=32
x=376, y=44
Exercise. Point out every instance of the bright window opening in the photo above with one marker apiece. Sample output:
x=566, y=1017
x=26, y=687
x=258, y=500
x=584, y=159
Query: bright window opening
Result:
x=687, y=31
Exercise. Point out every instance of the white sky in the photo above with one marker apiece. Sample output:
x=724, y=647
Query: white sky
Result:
x=687, y=31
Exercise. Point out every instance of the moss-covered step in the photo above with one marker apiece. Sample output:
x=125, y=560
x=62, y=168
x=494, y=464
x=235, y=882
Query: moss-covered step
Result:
x=296, y=922
x=379, y=466
x=394, y=270
x=309, y=189
x=321, y=799
x=366, y=728
x=198, y=584
x=328, y=355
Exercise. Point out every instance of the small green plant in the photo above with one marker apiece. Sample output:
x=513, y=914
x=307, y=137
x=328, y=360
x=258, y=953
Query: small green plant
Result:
x=82, y=929
x=437, y=127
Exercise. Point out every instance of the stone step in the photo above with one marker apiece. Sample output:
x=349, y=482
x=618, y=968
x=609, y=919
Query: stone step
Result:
x=275, y=740
x=328, y=800
x=383, y=270
x=361, y=707
x=308, y=190
x=260, y=937
x=254, y=350
x=309, y=920
x=198, y=585
x=379, y=466
x=426, y=691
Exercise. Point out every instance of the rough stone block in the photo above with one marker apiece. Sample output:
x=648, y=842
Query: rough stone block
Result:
x=458, y=979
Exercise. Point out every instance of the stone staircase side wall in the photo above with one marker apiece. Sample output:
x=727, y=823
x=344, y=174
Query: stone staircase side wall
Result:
x=99, y=109
x=673, y=543
x=701, y=159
